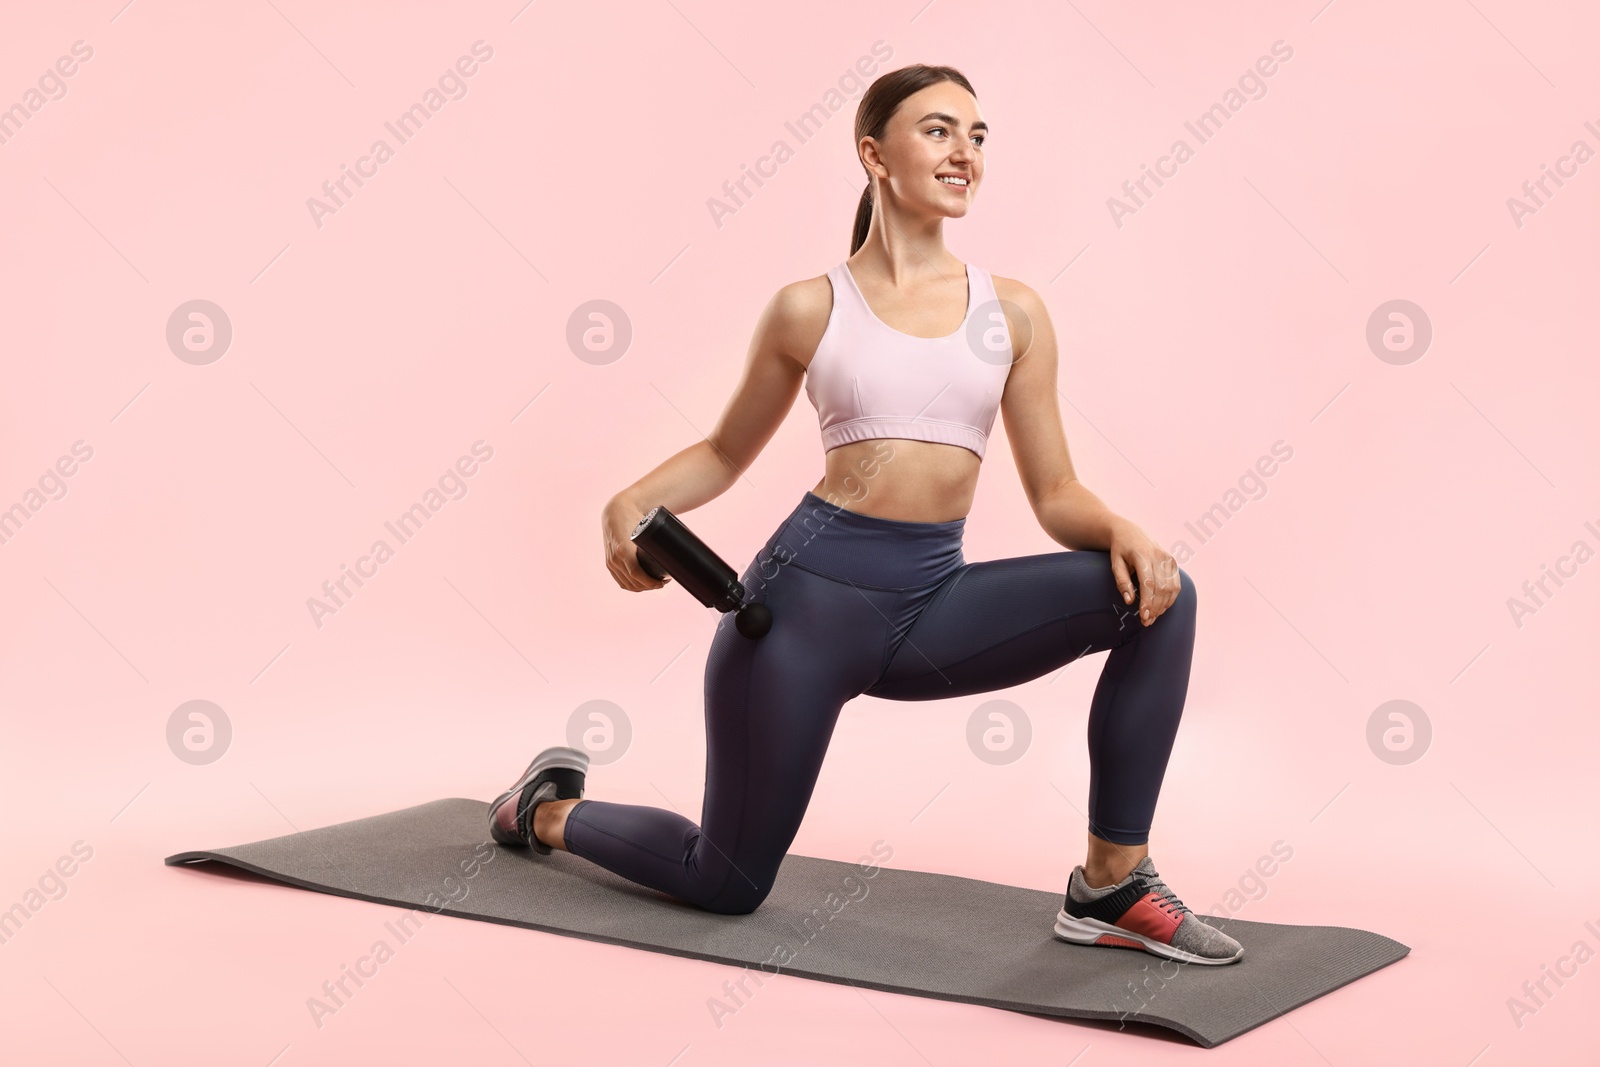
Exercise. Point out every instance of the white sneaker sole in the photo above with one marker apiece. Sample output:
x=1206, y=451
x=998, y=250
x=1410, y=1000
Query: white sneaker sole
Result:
x=1091, y=931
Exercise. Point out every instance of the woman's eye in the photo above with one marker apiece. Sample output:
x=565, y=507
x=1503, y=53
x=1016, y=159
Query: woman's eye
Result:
x=978, y=140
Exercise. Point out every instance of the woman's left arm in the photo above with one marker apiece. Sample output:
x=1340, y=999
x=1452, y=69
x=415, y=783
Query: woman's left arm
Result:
x=1069, y=512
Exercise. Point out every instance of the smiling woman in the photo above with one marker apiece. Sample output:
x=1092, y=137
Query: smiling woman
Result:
x=872, y=594
x=936, y=127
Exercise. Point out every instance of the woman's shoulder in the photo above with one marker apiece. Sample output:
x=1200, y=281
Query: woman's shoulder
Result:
x=807, y=293
x=1025, y=311
x=1019, y=296
x=805, y=301
x=798, y=313
x=1012, y=289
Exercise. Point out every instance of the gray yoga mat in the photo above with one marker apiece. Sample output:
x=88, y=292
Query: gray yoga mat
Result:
x=931, y=935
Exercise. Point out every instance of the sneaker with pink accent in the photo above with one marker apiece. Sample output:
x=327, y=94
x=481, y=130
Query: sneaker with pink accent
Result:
x=1141, y=912
x=555, y=774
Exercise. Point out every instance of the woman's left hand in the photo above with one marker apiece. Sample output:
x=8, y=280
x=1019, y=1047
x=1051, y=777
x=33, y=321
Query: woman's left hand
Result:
x=1133, y=550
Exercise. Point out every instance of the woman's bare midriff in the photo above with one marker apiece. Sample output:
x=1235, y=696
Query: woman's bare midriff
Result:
x=893, y=478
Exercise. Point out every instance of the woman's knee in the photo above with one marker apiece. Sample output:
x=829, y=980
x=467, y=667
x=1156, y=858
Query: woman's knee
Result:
x=1185, y=586
x=728, y=885
x=1185, y=602
x=740, y=899
x=1185, y=598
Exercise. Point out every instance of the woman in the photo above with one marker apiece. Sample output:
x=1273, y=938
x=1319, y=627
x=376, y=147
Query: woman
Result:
x=876, y=597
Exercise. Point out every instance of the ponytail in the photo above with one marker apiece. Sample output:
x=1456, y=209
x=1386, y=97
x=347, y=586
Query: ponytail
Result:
x=858, y=236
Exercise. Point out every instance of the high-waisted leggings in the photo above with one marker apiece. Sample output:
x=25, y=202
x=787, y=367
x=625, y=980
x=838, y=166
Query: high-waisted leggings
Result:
x=891, y=609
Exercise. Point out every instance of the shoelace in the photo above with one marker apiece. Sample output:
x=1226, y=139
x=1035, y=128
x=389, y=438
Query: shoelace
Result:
x=1166, y=898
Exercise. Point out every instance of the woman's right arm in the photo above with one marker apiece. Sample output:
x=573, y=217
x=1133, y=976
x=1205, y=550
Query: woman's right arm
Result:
x=705, y=470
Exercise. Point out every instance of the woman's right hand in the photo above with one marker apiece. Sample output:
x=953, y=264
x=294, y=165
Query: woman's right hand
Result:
x=622, y=555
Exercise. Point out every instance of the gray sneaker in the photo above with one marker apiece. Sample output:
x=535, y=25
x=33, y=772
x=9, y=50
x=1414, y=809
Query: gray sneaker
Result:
x=1141, y=912
x=555, y=774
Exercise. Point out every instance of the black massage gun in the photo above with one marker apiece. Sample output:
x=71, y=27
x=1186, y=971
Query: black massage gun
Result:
x=666, y=546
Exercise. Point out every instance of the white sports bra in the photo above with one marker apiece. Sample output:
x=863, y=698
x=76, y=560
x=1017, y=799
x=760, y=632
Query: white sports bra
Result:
x=870, y=380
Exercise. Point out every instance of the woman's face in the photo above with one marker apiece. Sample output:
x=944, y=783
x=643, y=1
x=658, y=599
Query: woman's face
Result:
x=936, y=132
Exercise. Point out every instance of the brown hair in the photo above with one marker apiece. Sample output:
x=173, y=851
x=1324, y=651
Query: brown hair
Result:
x=879, y=103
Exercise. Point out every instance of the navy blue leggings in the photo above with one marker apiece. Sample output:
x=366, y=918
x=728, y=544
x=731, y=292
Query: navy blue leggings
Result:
x=891, y=609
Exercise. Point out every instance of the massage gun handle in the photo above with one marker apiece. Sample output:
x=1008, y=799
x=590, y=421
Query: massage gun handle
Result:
x=700, y=570
x=670, y=547
x=648, y=565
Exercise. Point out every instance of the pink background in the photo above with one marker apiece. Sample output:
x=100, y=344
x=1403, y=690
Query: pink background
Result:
x=428, y=312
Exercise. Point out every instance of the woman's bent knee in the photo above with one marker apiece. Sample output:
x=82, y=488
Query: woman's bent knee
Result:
x=736, y=899
x=1186, y=591
x=1183, y=605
